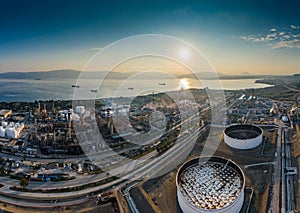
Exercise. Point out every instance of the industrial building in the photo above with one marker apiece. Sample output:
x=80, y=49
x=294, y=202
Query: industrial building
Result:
x=243, y=136
x=210, y=184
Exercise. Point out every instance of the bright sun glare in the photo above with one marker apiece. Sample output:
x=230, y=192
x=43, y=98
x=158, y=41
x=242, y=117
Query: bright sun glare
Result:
x=183, y=84
x=184, y=54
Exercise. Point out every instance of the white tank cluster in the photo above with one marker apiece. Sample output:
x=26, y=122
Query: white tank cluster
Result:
x=80, y=109
x=210, y=184
x=2, y=132
x=123, y=112
x=63, y=114
x=243, y=136
x=11, y=130
x=119, y=110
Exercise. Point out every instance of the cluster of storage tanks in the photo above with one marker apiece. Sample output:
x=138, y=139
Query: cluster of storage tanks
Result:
x=67, y=114
x=216, y=184
x=75, y=116
x=11, y=130
x=119, y=110
x=80, y=109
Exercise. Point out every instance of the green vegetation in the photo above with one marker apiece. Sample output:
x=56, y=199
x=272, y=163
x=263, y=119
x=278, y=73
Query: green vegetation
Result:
x=24, y=182
x=278, y=92
x=295, y=85
x=285, y=87
x=164, y=145
x=144, y=153
x=66, y=189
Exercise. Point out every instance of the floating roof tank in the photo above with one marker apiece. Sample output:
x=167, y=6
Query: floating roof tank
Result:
x=243, y=136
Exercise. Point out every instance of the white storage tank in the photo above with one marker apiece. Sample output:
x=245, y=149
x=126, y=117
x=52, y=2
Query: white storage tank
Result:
x=4, y=124
x=80, y=109
x=11, y=132
x=75, y=117
x=210, y=184
x=87, y=114
x=243, y=136
x=122, y=112
x=2, y=132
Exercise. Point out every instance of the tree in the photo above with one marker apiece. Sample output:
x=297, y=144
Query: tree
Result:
x=24, y=182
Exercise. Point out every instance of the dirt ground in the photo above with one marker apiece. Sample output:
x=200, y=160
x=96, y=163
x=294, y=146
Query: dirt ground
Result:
x=88, y=207
x=162, y=190
x=296, y=153
x=259, y=178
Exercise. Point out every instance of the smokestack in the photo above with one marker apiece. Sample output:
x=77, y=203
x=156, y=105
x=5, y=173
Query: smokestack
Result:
x=109, y=122
x=45, y=110
x=54, y=137
x=252, y=99
x=53, y=107
x=39, y=109
x=69, y=123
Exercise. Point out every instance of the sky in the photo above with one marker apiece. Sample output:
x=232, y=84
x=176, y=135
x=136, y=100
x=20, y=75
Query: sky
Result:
x=238, y=37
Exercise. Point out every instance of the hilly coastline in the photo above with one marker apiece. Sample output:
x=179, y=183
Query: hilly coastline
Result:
x=74, y=74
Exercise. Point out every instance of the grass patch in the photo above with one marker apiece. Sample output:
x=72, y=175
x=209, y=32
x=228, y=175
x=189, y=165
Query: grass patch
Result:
x=66, y=189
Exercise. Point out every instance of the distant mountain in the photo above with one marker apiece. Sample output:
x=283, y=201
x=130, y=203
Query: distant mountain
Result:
x=297, y=75
x=201, y=75
x=60, y=74
x=41, y=74
x=245, y=73
x=74, y=74
x=212, y=75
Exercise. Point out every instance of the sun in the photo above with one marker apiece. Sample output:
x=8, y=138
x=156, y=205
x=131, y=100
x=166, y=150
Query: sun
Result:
x=184, y=54
x=183, y=84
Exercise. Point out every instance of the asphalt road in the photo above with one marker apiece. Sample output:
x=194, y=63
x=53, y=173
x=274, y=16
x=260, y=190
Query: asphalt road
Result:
x=276, y=198
x=144, y=167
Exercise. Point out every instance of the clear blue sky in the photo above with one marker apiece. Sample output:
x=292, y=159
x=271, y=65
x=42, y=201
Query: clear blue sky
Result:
x=259, y=37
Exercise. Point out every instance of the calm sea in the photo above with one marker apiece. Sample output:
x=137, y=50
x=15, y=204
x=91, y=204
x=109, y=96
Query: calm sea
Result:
x=57, y=89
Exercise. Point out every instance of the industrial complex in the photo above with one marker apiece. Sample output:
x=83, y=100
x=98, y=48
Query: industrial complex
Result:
x=43, y=164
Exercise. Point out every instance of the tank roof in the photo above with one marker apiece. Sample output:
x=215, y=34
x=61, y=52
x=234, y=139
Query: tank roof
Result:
x=243, y=131
x=210, y=184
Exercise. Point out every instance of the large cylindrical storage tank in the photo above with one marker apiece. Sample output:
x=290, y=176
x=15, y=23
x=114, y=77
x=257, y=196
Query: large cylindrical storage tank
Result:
x=243, y=136
x=210, y=185
x=2, y=131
